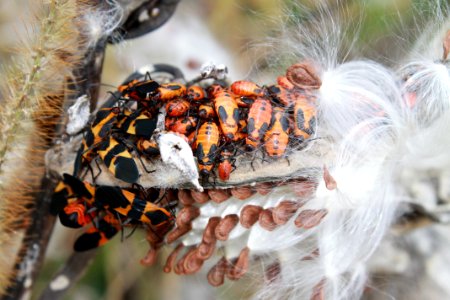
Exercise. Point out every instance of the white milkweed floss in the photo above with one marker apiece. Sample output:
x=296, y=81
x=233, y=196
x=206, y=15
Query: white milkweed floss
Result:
x=358, y=112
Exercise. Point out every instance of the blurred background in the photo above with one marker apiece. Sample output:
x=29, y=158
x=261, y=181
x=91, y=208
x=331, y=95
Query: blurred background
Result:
x=230, y=32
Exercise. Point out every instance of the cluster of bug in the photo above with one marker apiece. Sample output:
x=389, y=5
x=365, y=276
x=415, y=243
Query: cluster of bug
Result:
x=222, y=122
x=108, y=209
x=219, y=121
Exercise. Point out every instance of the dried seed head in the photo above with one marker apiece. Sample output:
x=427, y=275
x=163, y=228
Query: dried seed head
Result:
x=177, y=233
x=186, y=215
x=185, y=197
x=150, y=257
x=200, y=197
x=266, y=219
x=242, y=193
x=310, y=218
x=216, y=276
x=284, y=211
x=330, y=183
x=240, y=267
x=172, y=258
x=304, y=75
x=209, y=235
x=250, y=215
x=225, y=226
x=446, y=45
x=219, y=195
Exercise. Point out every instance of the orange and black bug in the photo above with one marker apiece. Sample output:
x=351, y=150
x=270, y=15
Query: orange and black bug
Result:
x=196, y=93
x=147, y=147
x=130, y=206
x=206, y=147
x=169, y=91
x=137, y=123
x=226, y=164
x=104, y=121
x=277, y=137
x=285, y=83
x=184, y=125
x=105, y=229
x=281, y=95
x=139, y=90
x=247, y=89
x=118, y=160
x=71, y=200
x=168, y=122
x=214, y=89
x=304, y=118
x=259, y=117
x=228, y=113
x=206, y=111
x=77, y=214
x=177, y=107
x=245, y=102
x=191, y=139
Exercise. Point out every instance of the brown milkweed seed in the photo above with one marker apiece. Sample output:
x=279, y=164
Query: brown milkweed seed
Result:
x=219, y=195
x=209, y=235
x=172, y=258
x=225, y=226
x=304, y=75
x=185, y=197
x=200, y=197
x=310, y=218
x=177, y=233
x=250, y=215
x=266, y=219
x=284, y=211
x=186, y=215
x=242, y=193
x=216, y=276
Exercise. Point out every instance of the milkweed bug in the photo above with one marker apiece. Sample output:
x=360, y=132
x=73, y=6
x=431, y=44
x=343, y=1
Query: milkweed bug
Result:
x=245, y=102
x=206, y=111
x=196, y=93
x=169, y=91
x=247, y=89
x=177, y=107
x=259, y=117
x=137, y=123
x=71, y=200
x=139, y=90
x=128, y=205
x=276, y=138
x=214, y=89
x=106, y=228
x=226, y=164
x=184, y=125
x=281, y=95
x=206, y=146
x=304, y=118
x=147, y=147
x=228, y=113
x=118, y=160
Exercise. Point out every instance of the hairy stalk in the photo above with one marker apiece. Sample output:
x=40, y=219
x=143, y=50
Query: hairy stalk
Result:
x=33, y=94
